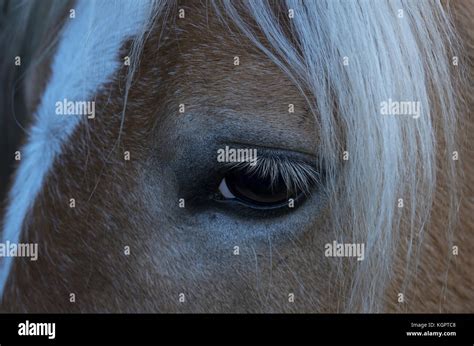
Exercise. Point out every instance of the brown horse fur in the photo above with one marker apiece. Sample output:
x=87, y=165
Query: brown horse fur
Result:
x=133, y=203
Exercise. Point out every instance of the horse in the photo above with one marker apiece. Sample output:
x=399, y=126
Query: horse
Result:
x=115, y=115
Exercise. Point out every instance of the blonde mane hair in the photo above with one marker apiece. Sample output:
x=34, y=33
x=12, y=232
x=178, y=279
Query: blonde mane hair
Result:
x=347, y=57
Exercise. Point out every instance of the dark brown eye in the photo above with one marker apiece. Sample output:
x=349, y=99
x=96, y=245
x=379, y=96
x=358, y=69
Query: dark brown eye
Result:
x=256, y=191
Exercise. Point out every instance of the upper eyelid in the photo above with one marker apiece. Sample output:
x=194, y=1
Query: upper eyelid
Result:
x=296, y=174
x=300, y=155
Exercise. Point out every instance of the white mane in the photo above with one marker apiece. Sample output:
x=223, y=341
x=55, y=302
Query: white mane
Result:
x=393, y=50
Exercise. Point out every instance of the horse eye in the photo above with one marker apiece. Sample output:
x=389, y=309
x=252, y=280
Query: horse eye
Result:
x=256, y=191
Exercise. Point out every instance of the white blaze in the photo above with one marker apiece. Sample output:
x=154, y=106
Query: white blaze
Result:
x=87, y=57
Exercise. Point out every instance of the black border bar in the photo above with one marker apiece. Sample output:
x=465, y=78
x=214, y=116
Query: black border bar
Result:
x=292, y=329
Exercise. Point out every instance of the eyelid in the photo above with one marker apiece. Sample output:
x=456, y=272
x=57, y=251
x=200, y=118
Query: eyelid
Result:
x=303, y=155
x=296, y=174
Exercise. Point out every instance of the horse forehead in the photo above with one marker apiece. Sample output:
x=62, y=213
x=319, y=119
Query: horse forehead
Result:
x=207, y=64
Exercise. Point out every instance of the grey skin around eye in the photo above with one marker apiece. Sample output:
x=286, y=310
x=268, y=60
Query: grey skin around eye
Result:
x=195, y=173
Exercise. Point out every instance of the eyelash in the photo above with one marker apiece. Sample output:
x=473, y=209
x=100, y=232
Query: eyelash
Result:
x=296, y=174
x=299, y=178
